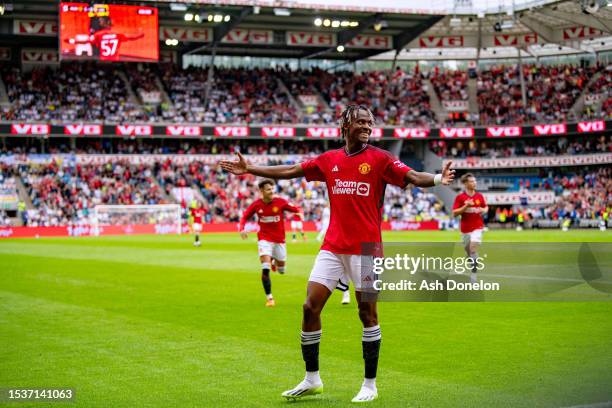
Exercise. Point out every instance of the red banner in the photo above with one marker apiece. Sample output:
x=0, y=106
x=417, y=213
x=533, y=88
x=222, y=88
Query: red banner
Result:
x=410, y=133
x=507, y=131
x=29, y=129
x=232, y=131
x=557, y=129
x=320, y=132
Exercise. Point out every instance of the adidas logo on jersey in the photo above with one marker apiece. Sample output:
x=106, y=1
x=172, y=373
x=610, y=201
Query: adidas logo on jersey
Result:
x=335, y=169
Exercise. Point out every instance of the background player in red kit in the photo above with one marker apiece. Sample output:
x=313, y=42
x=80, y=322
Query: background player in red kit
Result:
x=356, y=177
x=297, y=225
x=470, y=205
x=270, y=213
x=197, y=214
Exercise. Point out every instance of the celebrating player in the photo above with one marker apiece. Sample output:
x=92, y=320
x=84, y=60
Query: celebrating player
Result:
x=197, y=214
x=470, y=205
x=270, y=212
x=356, y=176
x=107, y=41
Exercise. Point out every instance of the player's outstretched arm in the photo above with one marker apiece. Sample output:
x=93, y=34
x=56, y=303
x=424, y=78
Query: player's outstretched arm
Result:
x=422, y=179
x=276, y=172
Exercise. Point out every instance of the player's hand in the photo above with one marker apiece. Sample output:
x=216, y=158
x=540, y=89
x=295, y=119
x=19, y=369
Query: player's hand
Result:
x=235, y=167
x=448, y=174
x=244, y=235
x=469, y=202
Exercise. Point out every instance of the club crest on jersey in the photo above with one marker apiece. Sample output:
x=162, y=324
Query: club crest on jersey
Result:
x=275, y=209
x=364, y=168
x=477, y=202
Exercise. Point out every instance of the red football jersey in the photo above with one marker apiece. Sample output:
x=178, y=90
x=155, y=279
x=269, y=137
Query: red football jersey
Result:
x=296, y=217
x=197, y=214
x=271, y=218
x=471, y=219
x=109, y=43
x=356, y=187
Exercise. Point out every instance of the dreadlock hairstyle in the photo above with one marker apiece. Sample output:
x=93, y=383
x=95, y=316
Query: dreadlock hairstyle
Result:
x=350, y=114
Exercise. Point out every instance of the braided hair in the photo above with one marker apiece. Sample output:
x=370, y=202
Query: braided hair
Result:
x=350, y=114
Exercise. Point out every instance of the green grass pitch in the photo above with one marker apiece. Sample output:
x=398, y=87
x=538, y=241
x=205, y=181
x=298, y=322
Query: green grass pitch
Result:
x=152, y=321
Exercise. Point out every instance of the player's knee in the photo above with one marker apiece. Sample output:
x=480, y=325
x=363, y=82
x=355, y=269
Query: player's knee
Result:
x=368, y=317
x=311, y=310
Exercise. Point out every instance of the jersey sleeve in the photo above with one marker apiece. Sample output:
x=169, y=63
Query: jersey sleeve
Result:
x=395, y=171
x=458, y=202
x=312, y=169
x=248, y=213
x=483, y=201
x=291, y=208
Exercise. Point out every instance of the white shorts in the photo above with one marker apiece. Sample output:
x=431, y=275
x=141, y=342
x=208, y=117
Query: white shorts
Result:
x=297, y=225
x=197, y=227
x=273, y=249
x=330, y=268
x=474, y=236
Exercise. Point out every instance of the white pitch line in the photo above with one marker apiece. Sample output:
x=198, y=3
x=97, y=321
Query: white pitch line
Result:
x=596, y=405
x=546, y=278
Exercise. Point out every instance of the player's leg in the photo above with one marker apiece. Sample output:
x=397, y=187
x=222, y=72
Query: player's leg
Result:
x=370, y=343
x=323, y=279
x=473, y=247
x=197, y=228
x=279, y=257
x=360, y=270
x=293, y=230
x=265, y=257
x=343, y=286
x=301, y=229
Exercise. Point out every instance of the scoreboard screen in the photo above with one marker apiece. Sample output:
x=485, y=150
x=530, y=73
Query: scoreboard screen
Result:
x=108, y=32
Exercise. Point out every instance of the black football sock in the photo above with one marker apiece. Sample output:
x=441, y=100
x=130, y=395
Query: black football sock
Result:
x=310, y=349
x=265, y=280
x=370, y=343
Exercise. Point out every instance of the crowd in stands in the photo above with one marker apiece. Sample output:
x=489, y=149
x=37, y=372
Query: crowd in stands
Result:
x=165, y=146
x=586, y=195
x=514, y=148
x=86, y=91
x=236, y=96
x=450, y=85
x=600, y=104
x=550, y=93
x=73, y=92
x=64, y=193
x=395, y=99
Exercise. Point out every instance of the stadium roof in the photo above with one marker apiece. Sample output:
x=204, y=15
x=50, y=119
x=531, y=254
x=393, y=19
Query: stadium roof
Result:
x=536, y=27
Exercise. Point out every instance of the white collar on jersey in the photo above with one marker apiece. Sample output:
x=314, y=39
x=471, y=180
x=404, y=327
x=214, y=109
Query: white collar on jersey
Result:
x=363, y=147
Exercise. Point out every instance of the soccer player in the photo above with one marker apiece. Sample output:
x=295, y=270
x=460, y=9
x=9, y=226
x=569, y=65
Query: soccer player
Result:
x=270, y=212
x=471, y=206
x=356, y=176
x=107, y=41
x=197, y=214
x=297, y=226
